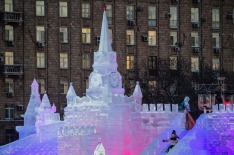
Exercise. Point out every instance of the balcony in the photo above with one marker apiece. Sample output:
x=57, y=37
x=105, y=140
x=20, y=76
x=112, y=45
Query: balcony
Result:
x=13, y=69
x=11, y=17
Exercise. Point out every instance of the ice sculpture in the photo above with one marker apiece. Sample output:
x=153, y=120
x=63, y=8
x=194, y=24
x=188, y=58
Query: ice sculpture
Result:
x=45, y=113
x=104, y=116
x=100, y=150
x=30, y=114
x=34, y=102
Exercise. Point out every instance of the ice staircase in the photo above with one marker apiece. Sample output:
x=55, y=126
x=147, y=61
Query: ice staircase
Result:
x=213, y=134
x=157, y=147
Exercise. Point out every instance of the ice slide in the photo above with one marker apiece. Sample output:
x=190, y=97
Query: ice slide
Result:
x=213, y=134
x=157, y=146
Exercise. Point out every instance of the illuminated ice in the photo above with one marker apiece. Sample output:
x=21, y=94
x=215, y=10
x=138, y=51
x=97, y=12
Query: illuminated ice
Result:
x=104, y=121
x=160, y=107
x=213, y=134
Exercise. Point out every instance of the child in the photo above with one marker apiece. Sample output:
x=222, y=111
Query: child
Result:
x=174, y=139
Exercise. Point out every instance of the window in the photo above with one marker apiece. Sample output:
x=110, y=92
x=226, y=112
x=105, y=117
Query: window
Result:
x=86, y=35
x=9, y=85
x=64, y=86
x=152, y=62
x=40, y=8
x=9, y=5
x=151, y=16
x=40, y=60
x=173, y=19
x=40, y=33
x=195, y=64
x=9, y=110
x=195, y=39
x=215, y=40
x=85, y=10
x=10, y=135
x=85, y=84
x=152, y=38
x=152, y=85
x=63, y=35
x=130, y=62
x=173, y=38
x=86, y=61
x=9, y=33
x=194, y=15
x=130, y=13
x=215, y=64
x=215, y=18
x=130, y=37
x=63, y=60
x=109, y=13
x=41, y=83
x=173, y=63
x=63, y=9
x=9, y=58
x=111, y=35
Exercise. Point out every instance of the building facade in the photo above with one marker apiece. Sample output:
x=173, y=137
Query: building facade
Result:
x=54, y=40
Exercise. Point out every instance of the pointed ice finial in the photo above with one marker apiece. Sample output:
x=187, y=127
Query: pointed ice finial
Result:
x=105, y=42
x=71, y=92
x=137, y=94
x=99, y=149
x=53, y=108
x=34, y=83
x=45, y=101
x=137, y=91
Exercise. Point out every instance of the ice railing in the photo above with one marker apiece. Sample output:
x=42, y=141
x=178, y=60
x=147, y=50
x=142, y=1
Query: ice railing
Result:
x=159, y=107
x=222, y=108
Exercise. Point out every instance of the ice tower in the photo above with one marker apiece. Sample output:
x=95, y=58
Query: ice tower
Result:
x=105, y=75
x=30, y=114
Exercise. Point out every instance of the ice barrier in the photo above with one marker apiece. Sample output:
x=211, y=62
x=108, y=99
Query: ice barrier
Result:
x=157, y=146
x=213, y=134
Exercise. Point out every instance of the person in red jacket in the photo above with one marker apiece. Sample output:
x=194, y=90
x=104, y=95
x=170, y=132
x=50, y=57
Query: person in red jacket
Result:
x=174, y=139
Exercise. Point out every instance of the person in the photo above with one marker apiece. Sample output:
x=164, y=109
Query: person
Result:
x=174, y=139
x=185, y=105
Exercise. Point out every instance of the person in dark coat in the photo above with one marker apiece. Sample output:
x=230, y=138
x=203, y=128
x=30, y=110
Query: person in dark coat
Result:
x=174, y=139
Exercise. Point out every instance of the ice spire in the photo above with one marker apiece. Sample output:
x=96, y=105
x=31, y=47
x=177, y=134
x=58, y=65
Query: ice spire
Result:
x=45, y=101
x=71, y=92
x=137, y=94
x=105, y=42
x=34, y=102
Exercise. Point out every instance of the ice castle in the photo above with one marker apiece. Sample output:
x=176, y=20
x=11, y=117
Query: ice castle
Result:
x=106, y=122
